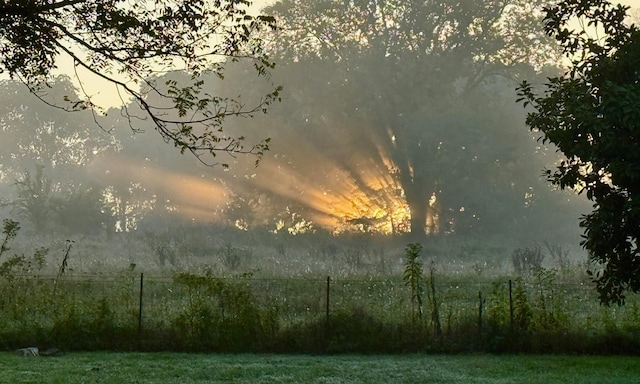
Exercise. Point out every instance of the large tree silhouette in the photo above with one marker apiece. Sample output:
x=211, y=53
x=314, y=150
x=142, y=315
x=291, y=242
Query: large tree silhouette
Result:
x=591, y=114
x=429, y=82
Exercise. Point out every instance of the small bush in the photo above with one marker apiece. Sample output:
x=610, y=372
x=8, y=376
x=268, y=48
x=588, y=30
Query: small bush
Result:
x=527, y=259
x=222, y=315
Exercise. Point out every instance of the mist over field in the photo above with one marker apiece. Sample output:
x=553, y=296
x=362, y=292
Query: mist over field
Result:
x=397, y=124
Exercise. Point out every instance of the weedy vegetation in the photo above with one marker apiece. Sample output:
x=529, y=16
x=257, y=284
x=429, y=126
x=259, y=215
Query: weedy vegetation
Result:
x=212, y=307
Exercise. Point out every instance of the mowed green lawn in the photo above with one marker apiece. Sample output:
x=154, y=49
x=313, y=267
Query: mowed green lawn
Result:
x=120, y=368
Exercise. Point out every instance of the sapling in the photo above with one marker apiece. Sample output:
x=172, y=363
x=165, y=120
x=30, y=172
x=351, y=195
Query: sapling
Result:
x=10, y=229
x=9, y=267
x=435, y=304
x=64, y=265
x=413, y=278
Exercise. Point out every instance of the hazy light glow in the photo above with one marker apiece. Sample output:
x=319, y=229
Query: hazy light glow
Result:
x=363, y=195
x=190, y=197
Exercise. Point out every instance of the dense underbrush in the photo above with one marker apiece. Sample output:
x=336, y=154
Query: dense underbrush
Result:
x=204, y=313
x=534, y=309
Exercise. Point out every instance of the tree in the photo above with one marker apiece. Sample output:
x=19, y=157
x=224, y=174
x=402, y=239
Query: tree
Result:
x=410, y=84
x=127, y=44
x=36, y=134
x=34, y=198
x=82, y=211
x=590, y=113
x=47, y=138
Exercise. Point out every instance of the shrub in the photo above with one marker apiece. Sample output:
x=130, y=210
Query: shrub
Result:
x=413, y=278
x=526, y=259
x=222, y=315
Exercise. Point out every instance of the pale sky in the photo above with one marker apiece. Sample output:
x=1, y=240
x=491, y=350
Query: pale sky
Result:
x=261, y=3
x=104, y=93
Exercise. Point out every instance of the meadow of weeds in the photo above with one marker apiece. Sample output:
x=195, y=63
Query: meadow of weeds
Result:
x=203, y=312
x=369, y=306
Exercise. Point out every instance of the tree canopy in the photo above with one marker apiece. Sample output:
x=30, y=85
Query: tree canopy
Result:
x=407, y=86
x=391, y=106
x=129, y=44
x=591, y=114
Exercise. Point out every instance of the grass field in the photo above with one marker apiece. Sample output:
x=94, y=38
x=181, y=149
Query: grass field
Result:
x=246, y=368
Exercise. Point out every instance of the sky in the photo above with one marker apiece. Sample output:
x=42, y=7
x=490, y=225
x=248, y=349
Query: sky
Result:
x=105, y=95
x=261, y=3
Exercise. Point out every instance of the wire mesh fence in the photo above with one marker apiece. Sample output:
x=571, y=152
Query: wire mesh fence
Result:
x=193, y=304
x=151, y=300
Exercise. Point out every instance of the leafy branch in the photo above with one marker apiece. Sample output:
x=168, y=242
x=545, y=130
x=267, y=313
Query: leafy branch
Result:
x=128, y=44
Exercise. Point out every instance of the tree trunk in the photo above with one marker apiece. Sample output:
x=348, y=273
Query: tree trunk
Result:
x=418, y=201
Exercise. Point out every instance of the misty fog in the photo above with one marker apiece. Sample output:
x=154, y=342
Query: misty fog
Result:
x=397, y=124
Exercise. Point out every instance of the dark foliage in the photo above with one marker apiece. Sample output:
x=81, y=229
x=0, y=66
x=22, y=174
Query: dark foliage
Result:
x=127, y=44
x=591, y=115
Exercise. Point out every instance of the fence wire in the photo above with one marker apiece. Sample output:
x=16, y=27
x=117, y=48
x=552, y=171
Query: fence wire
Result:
x=154, y=302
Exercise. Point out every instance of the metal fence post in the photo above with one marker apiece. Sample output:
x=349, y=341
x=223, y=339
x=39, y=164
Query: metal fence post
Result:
x=328, y=299
x=480, y=313
x=511, y=305
x=140, y=305
x=327, y=326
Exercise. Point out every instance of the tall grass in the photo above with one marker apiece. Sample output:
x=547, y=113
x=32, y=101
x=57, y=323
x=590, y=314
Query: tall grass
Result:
x=202, y=312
